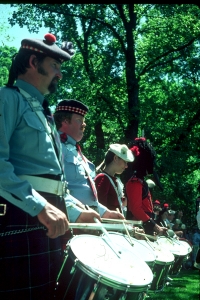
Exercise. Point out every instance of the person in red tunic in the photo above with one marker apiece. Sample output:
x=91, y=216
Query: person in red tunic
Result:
x=110, y=188
x=139, y=200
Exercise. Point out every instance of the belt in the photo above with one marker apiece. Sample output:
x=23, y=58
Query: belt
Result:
x=46, y=185
x=2, y=209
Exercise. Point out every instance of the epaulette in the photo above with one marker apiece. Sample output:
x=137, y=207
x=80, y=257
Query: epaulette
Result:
x=13, y=87
x=133, y=178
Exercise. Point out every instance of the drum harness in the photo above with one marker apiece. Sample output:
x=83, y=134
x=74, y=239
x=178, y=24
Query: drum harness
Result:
x=117, y=189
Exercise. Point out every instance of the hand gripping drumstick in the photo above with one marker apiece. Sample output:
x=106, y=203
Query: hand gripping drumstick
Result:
x=151, y=237
x=114, y=227
x=129, y=226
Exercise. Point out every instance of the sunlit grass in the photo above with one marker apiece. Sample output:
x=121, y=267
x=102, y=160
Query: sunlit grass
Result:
x=184, y=286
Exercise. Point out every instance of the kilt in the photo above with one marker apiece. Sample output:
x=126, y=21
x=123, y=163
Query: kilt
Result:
x=29, y=260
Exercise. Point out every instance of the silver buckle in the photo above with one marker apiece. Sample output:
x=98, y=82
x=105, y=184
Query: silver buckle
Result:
x=2, y=209
x=65, y=186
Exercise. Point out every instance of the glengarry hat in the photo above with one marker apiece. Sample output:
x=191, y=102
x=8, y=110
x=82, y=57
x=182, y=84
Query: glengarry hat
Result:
x=150, y=183
x=156, y=202
x=48, y=47
x=72, y=106
x=171, y=212
x=122, y=151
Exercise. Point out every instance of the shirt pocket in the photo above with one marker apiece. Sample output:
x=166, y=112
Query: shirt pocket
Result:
x=73, y=167
x=37, y=132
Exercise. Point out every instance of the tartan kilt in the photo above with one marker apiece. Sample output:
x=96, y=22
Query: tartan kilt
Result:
x=29, y=261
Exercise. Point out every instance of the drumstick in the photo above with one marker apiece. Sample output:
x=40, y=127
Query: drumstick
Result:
x=117, y=209
x=148, y=236
x=121, y=221
x=116, y=227
x=95, y=226
x=107, y=235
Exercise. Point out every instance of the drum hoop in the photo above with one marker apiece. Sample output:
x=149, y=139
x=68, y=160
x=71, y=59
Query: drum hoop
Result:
x=175, y=252
x=105, y=280
x=163, y=263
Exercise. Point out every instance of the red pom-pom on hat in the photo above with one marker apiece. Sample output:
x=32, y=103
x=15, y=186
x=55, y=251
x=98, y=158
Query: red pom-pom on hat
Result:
x=140, y=138
x=49, y=37
x=135, y=150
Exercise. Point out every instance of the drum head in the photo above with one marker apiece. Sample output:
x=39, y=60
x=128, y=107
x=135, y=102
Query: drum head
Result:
x=173, y=245
x=135, y=246
x=163, y=256
x=95, y=256
x=186, y=244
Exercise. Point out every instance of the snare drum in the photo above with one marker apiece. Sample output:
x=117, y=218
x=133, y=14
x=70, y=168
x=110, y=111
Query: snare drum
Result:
x=185, y=243
x=112, y=274
x=178, y=249
x=159, y=260
x=163, y=263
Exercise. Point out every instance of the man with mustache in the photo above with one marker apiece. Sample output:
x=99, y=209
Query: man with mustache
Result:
x=33, y=214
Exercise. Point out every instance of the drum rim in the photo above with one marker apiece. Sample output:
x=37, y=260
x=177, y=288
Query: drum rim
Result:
x=173, y=251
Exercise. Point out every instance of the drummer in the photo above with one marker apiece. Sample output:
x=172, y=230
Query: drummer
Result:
x=156, y=208
x=79, y=171
x=140, y=206
x=170, y=218
x=109, y=187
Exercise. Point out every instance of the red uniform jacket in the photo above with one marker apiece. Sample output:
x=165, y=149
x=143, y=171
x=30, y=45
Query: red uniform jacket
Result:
x=139, y=199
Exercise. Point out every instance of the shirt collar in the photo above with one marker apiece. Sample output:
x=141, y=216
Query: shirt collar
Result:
x=70, y=140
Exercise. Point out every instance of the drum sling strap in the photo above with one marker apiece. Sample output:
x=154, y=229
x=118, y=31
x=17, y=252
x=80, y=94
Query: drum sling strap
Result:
x=87, y=170
x=117, y=192
x=51, y=131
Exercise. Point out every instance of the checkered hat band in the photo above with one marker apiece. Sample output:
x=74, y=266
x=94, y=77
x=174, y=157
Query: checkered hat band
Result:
x=36, y=50
x=31, y=48
x=72, y=109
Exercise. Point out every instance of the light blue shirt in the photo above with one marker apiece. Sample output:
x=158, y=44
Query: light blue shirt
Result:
x=25, y=148
x=77, y=179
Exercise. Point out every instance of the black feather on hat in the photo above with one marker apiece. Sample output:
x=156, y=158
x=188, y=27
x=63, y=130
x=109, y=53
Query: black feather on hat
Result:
x=73, y=106
x=48, y=47
x=144, y=157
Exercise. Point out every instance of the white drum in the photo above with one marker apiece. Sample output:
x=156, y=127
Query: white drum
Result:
x=158, y=259
x=163, y=263
x=178, y=249
x=112, y=270
x=135, y=246
x=185, y=243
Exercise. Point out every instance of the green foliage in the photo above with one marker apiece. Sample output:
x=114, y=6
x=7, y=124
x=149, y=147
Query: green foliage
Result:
x=137, y=68
x=6, y=54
